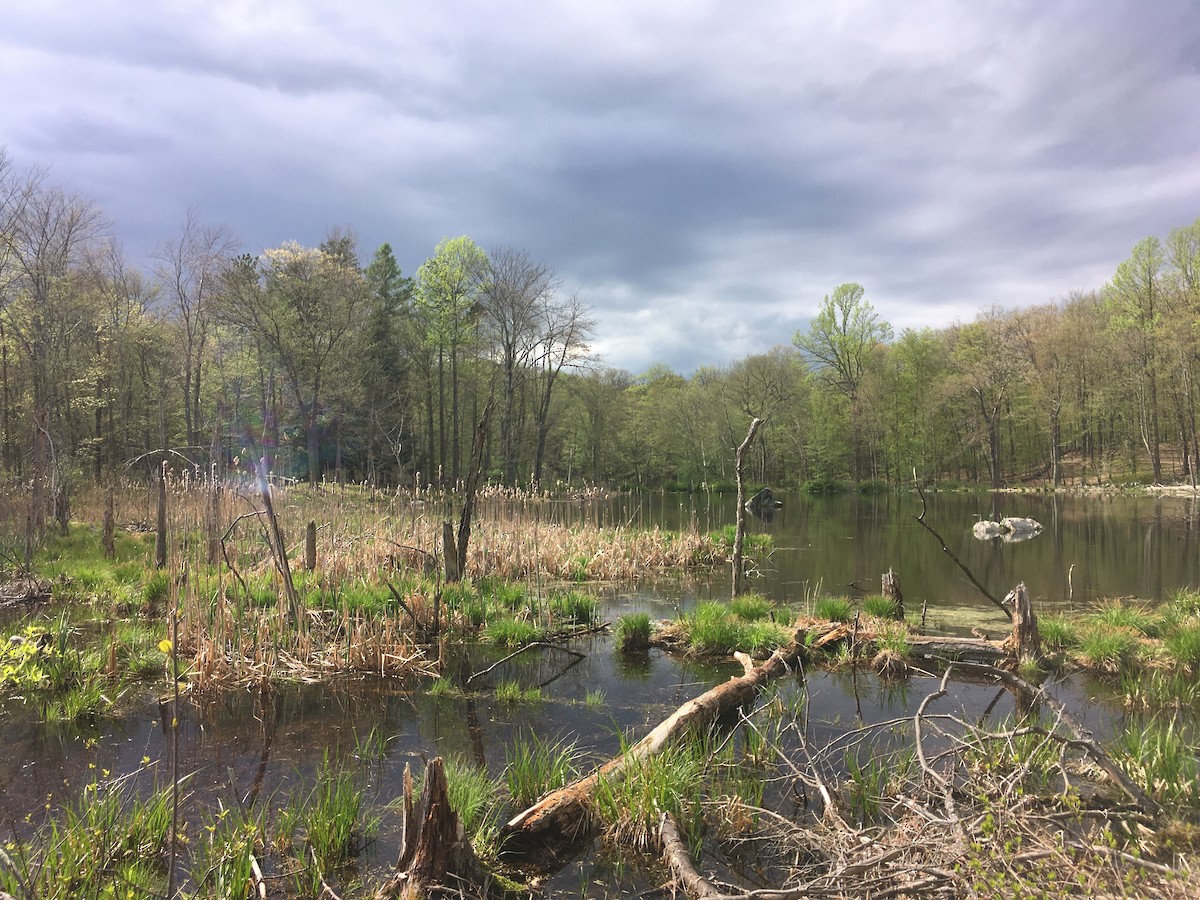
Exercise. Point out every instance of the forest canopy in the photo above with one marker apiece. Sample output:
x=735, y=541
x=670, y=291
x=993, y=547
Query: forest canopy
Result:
x=336, y=366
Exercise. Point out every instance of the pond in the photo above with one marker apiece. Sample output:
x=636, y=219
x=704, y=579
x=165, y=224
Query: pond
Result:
x=253, y=747
x=1092, y=547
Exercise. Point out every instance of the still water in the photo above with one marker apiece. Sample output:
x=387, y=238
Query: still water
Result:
x=1091, y=548
x=249, y=748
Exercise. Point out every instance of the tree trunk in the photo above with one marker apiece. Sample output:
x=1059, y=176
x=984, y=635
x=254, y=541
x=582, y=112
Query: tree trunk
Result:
x=310, y=547
x=1027, y=643
x=470, y=489
x=563, y=818
x=891, y=590
x=739, y=572
x=109, y=537
x=160, y=539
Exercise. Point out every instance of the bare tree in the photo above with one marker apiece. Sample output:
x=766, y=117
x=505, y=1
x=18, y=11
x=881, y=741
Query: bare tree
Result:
x=189, y=269
x=565, y=328
x=514, y=291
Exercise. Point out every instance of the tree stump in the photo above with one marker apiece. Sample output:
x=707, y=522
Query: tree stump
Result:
x=891, y=590
x=310, y=547
x=1027, y=643
x=436, y=852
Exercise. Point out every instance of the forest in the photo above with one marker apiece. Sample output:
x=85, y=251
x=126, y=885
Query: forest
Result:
x=339, y=366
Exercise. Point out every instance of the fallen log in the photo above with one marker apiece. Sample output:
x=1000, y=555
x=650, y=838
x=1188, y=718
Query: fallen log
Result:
x=557, y=824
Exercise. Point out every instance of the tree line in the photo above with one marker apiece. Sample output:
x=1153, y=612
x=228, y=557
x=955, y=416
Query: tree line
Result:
x=333, y=368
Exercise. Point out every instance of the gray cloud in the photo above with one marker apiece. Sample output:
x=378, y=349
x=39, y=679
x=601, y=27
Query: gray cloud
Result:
x=702, y=176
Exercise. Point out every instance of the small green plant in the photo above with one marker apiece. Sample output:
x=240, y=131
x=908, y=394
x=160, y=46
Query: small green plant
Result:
x=337, y=825
x=512, y=692
x=475, y=797
x=751, y=607
x=881, y=607
x=893, y=651
x=594, y=699
x=834, y=609
x=1160, y=757
x=714, y=630
x=633, y=631
x=511, y=633
x=865, y=785
x=108, y=844
x=443, y=687
x=1183, y=644
x=667, y=782
x=534, y=767
x=1111, y=650
x=575, y=608
x=1131, y=616
x=1057, y=633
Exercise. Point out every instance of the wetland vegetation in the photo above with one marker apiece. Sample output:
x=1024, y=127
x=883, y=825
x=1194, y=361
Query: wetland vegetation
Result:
x=867, y=759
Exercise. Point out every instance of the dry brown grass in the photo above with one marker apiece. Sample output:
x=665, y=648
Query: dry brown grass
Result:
x=367, y=540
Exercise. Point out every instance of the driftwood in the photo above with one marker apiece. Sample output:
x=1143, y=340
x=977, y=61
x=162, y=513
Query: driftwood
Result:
x=560, y=821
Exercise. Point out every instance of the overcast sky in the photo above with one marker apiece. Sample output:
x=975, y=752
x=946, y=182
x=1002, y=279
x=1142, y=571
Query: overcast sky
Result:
x=702, y=173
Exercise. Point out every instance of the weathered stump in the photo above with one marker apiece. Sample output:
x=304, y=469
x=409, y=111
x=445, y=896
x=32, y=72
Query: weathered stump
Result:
x=436, y=852
x=310, y=547
x=1027, y=643
x=891, y=590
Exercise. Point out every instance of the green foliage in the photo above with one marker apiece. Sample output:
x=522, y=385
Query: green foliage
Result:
x=633, y=631
x=881, y=607
x=1160, y=757
x=1107, y=649
x=754, y=543
x=1183, y=644
x=574, y=608
x=667, y=782
x=511, y=633
x=534, y=767
x=111, y=843
x=511, y=692
x=476, y=798
x=714, y=630
x=833, y=609
x=1057, y=633
x=1130, y=616
x=338, y=826
x=751, y=607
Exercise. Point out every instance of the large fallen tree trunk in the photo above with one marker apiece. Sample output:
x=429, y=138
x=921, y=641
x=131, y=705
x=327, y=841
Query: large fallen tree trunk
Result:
x=560, y=821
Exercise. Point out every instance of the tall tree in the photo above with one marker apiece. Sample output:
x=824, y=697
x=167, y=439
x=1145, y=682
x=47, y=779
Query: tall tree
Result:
x=384, y=359
x=300, y=304
x=515, y=290
x=46, y=240
x=1136, y=295
x=448, y=291
x=189, y=269
x=566, y=327
x=839, y=345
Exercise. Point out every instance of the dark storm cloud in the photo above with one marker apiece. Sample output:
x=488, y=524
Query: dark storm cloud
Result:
x=702, y=178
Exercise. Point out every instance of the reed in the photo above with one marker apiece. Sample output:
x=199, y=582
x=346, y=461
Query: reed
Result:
x=512, y=692
x=833, y=609
x=881, y=607
x=1159, y=755
x=633, y=632
x=534, y=766
x=667, y=782
x=338, y=825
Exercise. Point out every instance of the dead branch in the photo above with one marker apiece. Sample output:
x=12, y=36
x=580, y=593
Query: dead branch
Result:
x=538, y=834
x=966, y=571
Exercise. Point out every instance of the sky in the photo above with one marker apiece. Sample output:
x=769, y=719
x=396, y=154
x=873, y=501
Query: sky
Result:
x=701, y=173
